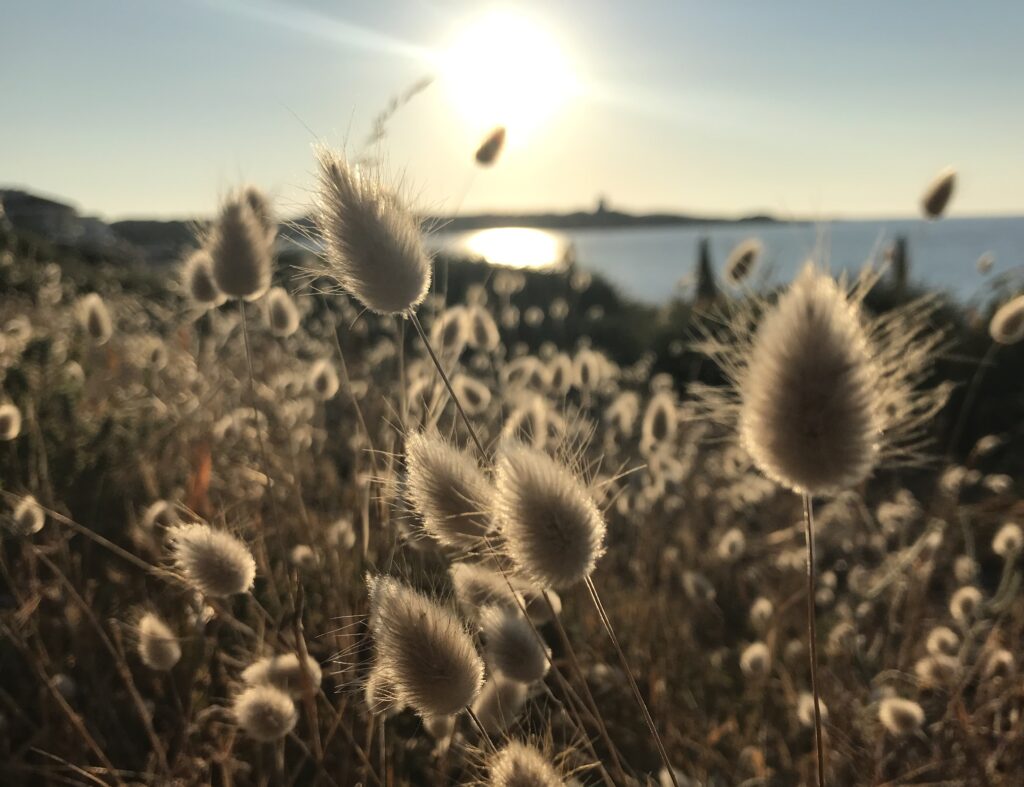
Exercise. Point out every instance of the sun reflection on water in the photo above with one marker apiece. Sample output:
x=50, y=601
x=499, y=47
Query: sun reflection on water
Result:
x=518, y=247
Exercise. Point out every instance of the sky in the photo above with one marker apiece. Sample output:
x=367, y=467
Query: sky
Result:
x=138, y=108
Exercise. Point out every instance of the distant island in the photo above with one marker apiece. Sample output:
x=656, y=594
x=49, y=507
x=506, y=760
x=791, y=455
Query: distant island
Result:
x=599, y=218
x=165, y=241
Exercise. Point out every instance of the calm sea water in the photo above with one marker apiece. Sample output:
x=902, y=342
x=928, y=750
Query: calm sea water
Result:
x=649, y=263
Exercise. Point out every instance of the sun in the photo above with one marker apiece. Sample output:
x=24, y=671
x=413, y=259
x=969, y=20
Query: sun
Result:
x=505, y=69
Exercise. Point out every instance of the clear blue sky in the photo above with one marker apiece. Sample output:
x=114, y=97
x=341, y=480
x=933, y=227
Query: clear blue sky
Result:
x=138, y=107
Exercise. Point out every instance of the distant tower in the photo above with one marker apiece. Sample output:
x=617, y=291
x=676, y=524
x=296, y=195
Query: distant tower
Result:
x=602, y=204
x=706, y=288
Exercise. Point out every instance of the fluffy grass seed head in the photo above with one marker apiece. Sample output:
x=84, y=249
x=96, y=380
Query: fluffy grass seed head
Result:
x=323, y=379
x=214, y=562
x=742, y=260
x=10, y=421
x=28, y=517
x=938, y=194
x=95, y=318
x=942, y=641
x=197, y=278
x=964, y=604
x=241, y=250
x=473, y=394
x=282, y=314
x=262, y=208
x=483, y=330
x=284, y=671
x=373, y=246
x=521, y=765
x=448, y=490
x=477, y=587
x=1007, y=324
x=511, y=645
x=490, y=148
x=159, y=513
x=157, y=646
x=732, y=545
x=264, y=713
x=500, y=703
x=756, y=660
x=553, y=531
x=900, y=716
x=820, y=395
x=661, y=420
x=805, y=709
x=1008, y=541
x=431, y=658
x=761, y=612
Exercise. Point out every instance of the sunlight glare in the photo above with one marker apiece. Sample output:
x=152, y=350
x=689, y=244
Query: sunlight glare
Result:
x=503, y=69
x=518, y=247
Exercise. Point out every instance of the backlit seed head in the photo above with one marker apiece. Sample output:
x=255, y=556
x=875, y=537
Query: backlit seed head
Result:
x=490, y=148
x=512, y=647
x=732, y=545
x=323, y=379
x=197, y=277
x=448, y=490
x=938, y=194
x=1007, y=325
x=964, y=604
x=520, y=765
x=373, y=246
x=264, y=713
x=240, y=249
x=500, y=703
x=742, y=260
x=478, y=587
x=430, y=657
x=95, y=318
x=28, y=517
x=483, y=331
x=158, y=647
x=900, y=716
x=756, y=660
x=821, y=394
x=214, y=562
x=284, y=672
x=282, y=315
x=942, y=641
x=553, y=531
x=1008, y=541
x=805, y=709
x=10, y=421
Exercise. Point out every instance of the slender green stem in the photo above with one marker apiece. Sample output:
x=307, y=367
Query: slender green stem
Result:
x=812, y=636
x=648, y=719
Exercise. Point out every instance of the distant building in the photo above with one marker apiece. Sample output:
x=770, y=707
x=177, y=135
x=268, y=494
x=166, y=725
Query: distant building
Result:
x=602, y=205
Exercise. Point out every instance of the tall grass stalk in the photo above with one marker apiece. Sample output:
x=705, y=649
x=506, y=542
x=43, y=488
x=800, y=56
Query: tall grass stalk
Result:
x=271, y=581
x=590, y=585
x=812, y=636
x=648, y=719
x=481, y=730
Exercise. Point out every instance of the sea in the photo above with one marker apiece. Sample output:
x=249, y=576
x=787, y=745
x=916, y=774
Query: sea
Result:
x=653, y=263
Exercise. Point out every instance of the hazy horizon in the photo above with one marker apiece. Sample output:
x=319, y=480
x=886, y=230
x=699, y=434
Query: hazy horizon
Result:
x=151, y=110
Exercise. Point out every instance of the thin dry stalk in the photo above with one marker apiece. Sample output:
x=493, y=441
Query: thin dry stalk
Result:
x=812, y=635
x=648, y=719
x=271, y=582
